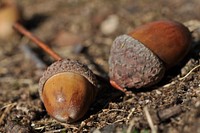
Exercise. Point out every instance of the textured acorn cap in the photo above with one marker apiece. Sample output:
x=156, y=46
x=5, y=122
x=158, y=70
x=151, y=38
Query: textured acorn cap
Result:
x=132, y=65
x=66, y=65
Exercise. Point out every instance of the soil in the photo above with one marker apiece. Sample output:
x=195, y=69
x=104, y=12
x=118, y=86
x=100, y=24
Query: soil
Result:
x=84, y=30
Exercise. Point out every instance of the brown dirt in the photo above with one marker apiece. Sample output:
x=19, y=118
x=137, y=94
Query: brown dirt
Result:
x=175, y=100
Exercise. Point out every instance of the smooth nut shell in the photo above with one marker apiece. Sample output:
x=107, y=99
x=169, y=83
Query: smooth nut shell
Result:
x=67, y=89
x=67, y=96
x=132, y=65
x=169, y=40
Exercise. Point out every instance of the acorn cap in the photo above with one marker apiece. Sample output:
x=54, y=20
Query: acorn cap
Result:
x=67, y=65
x=133, y=65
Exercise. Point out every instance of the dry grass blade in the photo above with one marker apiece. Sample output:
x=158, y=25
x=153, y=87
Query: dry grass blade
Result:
x=56, y=131
x=132, y=123
x=150, y=121
x=6, y=111
x=130, y=114
x=182, y=78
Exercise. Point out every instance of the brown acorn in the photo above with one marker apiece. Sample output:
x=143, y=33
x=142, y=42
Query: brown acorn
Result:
x=67, y=89
x=141, y=58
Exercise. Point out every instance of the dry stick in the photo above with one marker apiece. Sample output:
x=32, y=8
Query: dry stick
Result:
x=169, y=112
x=36, y=40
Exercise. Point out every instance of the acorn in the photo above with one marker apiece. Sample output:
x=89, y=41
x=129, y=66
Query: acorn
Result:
x=67, y=89
x=141, y=58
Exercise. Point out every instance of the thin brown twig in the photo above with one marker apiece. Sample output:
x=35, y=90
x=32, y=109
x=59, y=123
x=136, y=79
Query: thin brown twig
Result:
x=36, y=40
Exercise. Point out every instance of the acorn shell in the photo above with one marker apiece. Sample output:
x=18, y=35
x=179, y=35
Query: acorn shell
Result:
x=67, y=89
x=133, y=65
x=169, y=40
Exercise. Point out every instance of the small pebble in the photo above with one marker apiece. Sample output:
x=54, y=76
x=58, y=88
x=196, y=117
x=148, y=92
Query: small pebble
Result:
x=197, y=104
x=158, y=92
x=110, y=25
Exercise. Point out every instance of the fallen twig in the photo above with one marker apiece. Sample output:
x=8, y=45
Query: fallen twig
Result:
x=169, y=112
